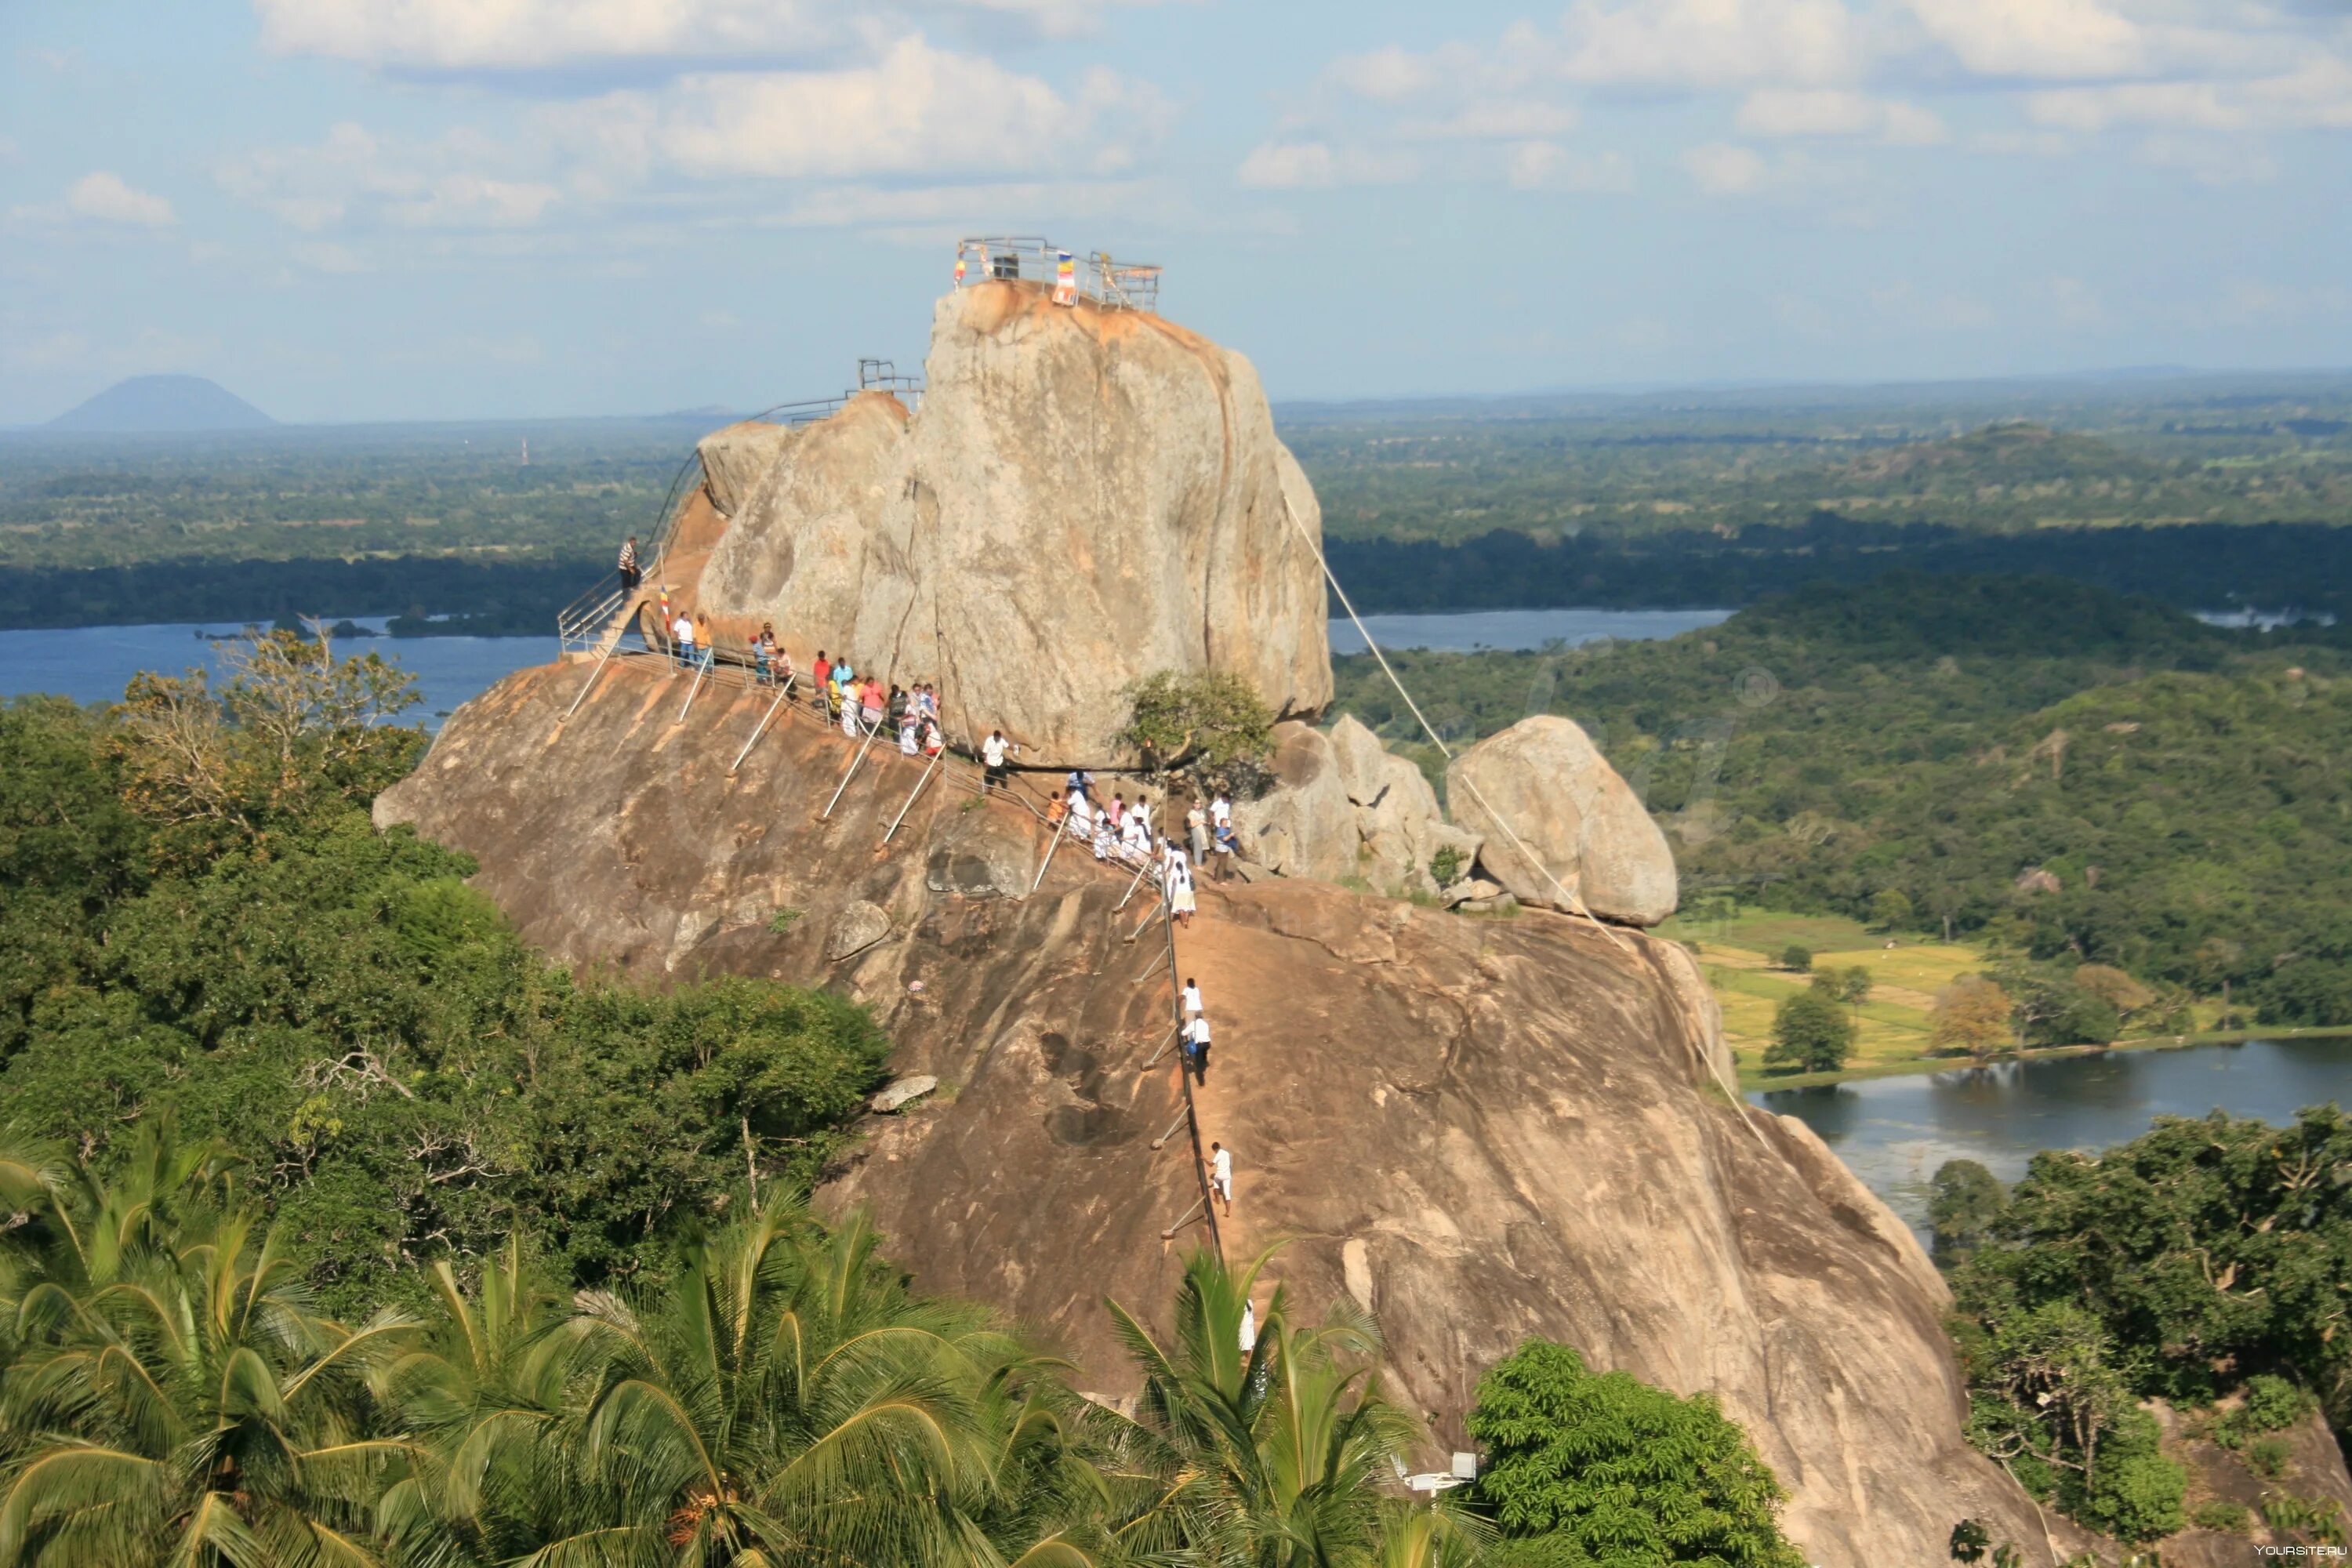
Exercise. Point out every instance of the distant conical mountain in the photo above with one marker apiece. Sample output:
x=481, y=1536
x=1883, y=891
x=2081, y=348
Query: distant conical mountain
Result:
x=150, y=404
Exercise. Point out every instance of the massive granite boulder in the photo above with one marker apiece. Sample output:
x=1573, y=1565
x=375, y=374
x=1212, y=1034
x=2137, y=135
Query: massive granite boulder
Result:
x=1483, y=1130
x=1084, y=497
x=1580, y=826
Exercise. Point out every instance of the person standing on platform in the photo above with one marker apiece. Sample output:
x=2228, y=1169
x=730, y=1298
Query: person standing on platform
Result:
x=992, y=754
x=630, y=575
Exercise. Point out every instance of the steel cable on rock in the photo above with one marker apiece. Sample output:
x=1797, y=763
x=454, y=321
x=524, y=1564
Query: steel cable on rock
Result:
x=1497, y=817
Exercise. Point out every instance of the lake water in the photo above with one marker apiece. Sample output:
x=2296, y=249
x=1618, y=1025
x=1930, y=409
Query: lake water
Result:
x=92, y=664
x=1472, y=629
x=1893, y=1131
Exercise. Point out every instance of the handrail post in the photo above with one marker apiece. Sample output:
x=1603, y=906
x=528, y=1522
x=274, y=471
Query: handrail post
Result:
x=701, y=669
x=1039, y=879
x=1133, y=883
x=761, y=728
x=852, y=774
x=602, y=659
x=913, y=792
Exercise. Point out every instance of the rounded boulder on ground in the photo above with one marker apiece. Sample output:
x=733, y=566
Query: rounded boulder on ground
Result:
x=1574, y=817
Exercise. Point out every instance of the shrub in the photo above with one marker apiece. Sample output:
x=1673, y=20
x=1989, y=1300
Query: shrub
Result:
x=2135, y=1492
x=2220, y=1513
x=1445, y=866
x=1610, y=1469
x=2267, y=1457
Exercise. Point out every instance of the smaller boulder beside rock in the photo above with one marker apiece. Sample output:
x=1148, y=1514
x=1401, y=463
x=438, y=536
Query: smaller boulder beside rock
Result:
x=857, y=927
x=1305, y=825
x=1580, y=822
x=902, y=1091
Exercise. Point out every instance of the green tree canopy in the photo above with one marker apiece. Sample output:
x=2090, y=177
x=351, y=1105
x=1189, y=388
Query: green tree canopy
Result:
x=1810, y=1033
x=1208, y=724
x=1623, y=1473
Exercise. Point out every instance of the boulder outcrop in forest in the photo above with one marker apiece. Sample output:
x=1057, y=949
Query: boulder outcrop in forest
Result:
x=1483, y=1130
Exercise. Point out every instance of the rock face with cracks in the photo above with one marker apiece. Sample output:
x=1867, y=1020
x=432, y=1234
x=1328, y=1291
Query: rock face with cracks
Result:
x=1483, y=1129
x=1580, y=829
x=1083, y=498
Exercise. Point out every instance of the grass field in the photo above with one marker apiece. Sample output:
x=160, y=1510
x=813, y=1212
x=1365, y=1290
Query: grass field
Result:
x=1741, y=956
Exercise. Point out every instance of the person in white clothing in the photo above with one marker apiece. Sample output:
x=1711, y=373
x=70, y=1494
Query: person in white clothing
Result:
x=992, y=753
x=682, y=629
x=1221, y=1176
x=1197, y=1052
x=1249, y=1328
x=1221, y=812
x=1180, y=902
x=1191, y=996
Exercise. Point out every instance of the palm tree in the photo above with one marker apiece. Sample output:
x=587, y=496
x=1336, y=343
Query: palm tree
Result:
x=170, y=1397
x=784, y=1400
x=1272, y=1457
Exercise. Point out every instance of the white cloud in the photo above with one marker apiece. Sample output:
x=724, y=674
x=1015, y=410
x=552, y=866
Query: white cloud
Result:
x=2210, y=160
x=2035, y=37
x=324, y=256
x=917, y=110
x=353, y=176
x=1496, y=120
x=531, y=35
x=104, y=196
x=1838, y=111
x=1386, y=75
x=1293, y=165
x=2318, y=92
x=1711, y=43
x=2194, y=104
x=1724, y=169
x=1549, y=166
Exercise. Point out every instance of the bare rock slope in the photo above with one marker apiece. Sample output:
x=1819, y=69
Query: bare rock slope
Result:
x=1083, y=498
x=1485, y=1130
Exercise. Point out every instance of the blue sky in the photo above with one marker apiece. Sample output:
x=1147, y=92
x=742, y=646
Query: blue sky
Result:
x=361, y=209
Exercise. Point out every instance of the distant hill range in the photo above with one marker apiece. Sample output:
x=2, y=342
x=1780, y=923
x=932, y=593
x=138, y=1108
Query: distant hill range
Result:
x=153, y=405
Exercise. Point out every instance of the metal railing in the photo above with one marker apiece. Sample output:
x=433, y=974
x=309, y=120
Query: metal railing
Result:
x=1094, y=277
x=588, y=624
x=884, y=376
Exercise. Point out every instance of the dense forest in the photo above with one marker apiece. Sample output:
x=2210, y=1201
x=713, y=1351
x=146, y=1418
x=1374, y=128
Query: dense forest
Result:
x=2072, y=775
x=2206, y=1264
x=2205, y=493
x=343, y=1229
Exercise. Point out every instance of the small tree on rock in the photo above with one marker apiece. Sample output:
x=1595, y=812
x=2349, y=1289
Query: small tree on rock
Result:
x=1207, y=724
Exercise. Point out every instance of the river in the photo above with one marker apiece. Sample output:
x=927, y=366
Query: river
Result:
x=1893, y=1131
x=91, y=664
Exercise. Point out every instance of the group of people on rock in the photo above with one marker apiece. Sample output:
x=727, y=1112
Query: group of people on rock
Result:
x=1118, y=830
x=862, y=705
